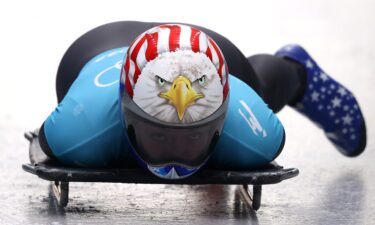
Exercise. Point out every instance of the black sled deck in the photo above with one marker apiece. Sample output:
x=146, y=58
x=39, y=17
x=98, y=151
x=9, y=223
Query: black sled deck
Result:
x=47, y=169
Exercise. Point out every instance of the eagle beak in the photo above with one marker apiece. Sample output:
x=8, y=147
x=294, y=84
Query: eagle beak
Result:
x=181, y=95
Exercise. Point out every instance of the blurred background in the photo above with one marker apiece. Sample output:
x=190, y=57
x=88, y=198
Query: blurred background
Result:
x=331, y=189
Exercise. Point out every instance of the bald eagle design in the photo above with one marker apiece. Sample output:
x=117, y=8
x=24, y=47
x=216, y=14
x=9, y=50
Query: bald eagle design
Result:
x=179, y=87
x=176, y=73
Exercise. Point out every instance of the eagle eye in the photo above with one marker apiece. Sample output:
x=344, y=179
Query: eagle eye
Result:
x=202, y=80
x=161, y=81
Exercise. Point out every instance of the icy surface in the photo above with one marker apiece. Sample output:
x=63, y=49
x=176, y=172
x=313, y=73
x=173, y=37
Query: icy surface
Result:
x=331, y=189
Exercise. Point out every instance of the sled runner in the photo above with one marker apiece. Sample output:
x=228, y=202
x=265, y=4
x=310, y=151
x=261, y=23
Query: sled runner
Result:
x=47, y=169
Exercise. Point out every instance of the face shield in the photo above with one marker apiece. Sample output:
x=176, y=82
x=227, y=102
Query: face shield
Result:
x=159, y=143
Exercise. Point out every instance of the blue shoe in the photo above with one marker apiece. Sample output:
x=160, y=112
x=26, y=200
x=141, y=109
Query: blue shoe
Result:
x=329, y=104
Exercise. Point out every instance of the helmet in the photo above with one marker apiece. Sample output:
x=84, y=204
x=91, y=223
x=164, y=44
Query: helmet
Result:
x=173, y=91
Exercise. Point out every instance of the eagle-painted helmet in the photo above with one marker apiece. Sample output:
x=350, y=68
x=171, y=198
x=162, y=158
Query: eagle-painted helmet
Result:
x=174, y=97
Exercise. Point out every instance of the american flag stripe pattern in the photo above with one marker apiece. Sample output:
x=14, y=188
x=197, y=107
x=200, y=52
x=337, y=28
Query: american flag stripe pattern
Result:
x=169, y=38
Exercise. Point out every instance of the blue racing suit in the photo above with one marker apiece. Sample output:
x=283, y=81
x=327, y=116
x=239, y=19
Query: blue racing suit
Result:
x=86, y=128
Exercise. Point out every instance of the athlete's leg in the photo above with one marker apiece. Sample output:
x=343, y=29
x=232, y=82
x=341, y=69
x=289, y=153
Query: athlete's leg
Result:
x=282, y=81
x=293, y=77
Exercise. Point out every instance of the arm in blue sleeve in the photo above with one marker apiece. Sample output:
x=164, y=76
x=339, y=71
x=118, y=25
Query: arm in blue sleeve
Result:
x=252, y=135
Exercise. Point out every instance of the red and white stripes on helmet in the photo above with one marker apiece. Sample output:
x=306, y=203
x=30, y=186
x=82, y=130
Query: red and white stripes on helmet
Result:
x=170, y=38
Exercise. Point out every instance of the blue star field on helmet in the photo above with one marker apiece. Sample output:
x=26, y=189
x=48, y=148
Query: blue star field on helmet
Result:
x=172, y=172
x=329, y=104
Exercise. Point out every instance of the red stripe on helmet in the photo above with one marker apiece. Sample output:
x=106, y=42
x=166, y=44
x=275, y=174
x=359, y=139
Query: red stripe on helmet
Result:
x=174, y=37
x=194, y=39
x=219, y=55
x=128, y=85
x=133, y=57
x=134, y=53
x=152, y=46
x=127, y=65
x=208, y=53
x=225, y=90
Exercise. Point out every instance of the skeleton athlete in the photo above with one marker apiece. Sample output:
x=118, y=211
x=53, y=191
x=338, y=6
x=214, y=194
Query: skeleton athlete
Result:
x=175, y=97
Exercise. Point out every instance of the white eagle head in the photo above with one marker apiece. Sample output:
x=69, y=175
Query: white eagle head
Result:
x=179, y=87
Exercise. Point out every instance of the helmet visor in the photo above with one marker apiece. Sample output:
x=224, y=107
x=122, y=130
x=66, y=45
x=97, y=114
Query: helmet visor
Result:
x=159, y=143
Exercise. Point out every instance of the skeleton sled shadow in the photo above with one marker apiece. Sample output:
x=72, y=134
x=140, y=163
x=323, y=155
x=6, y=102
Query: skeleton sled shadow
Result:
x=47, y=169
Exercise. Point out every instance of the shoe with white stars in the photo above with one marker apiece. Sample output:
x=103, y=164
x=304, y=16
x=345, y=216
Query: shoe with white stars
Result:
x=329, y=104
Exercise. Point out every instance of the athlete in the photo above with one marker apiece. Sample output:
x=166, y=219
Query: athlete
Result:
x=175, y=97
